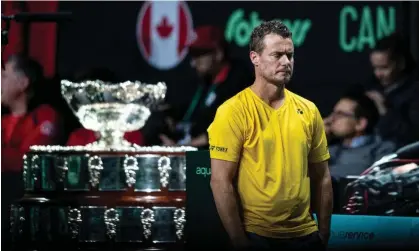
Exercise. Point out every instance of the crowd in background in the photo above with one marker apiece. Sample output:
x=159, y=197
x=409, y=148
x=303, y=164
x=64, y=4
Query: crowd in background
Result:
x=368, y=122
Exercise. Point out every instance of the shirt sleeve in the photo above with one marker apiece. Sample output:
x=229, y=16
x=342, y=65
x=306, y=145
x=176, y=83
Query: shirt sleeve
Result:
x=319, y=149
x=227, y=133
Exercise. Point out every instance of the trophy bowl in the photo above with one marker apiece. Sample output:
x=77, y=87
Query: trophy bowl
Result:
x=111, y=109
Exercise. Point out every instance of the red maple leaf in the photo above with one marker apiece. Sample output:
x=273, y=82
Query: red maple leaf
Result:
x=164, y=28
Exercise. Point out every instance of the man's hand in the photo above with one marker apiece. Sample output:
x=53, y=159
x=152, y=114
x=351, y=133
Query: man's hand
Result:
x=322, y=197
x=379, y=101
x=324, y=237
x=222, y=175
x=199, y=141
x=241, y=244
x=166, y=141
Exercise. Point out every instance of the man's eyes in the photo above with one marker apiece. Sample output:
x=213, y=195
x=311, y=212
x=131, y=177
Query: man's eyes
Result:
x=279, y=55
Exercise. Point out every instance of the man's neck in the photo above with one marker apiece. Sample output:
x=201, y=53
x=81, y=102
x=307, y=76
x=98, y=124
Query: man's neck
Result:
x=270, y=93
x=19, y=106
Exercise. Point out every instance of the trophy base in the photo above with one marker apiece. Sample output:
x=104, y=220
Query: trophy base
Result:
x=88, y=199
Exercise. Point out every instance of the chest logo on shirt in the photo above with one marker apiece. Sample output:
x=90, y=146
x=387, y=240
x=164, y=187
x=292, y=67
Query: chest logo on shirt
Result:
x=299, y=111
x=47, y=128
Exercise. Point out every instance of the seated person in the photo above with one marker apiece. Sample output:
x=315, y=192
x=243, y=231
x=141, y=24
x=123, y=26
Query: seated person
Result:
x=218, y=78
x=82, y=136
x=352, y=122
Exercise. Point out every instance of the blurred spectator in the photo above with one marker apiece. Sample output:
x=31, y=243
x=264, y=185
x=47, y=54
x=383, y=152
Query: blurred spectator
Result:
x=218, y=78
x=352, y=122
x=82, y=136
x=395, y=90
x=29, y=121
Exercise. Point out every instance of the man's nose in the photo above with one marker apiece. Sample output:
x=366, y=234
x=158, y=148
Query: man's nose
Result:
x=285, y=60
x=333, y=117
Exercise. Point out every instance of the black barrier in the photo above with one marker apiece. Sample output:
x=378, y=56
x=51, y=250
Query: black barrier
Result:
x=203, y=225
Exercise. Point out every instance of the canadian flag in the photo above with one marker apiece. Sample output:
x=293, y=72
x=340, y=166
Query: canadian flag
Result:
x=164, y=29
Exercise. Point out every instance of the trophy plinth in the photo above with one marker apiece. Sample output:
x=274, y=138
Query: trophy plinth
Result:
x=110, y=192
x=112, y=109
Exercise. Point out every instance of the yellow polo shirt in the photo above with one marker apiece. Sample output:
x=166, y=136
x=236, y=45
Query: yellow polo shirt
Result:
x=273, y=148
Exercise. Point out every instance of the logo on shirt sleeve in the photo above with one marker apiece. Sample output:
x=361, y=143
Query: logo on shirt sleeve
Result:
x=218, y=149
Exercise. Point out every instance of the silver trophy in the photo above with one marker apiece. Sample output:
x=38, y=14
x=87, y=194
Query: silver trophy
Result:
x=112, y=109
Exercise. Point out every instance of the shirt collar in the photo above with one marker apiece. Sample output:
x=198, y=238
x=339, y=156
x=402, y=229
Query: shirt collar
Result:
x=360, y=141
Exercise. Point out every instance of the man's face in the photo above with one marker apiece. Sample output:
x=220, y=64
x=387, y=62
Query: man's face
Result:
x=204, y=63
x=276, y=61
x=384, y=68
x=344, y=123
x=13, y=83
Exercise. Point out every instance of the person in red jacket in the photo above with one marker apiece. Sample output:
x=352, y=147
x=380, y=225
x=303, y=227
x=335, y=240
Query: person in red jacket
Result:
x=28, y=121
x=82, y=136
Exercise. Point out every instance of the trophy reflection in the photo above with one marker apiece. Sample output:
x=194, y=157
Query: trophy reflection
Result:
x=112, y=109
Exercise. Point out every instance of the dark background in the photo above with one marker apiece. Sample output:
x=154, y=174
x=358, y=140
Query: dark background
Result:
x=104, y=34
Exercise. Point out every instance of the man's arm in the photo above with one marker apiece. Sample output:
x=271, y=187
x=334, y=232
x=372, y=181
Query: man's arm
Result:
x=222, y=175
x=320, y=180
x=226, y=138
x=322, y=196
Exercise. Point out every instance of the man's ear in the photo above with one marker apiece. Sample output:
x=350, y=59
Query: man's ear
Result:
x=362, y=124
x=23, y=83
x=254, y=57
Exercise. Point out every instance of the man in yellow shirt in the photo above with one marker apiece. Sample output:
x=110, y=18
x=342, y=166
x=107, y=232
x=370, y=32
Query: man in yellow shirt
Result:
x=268, y=147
